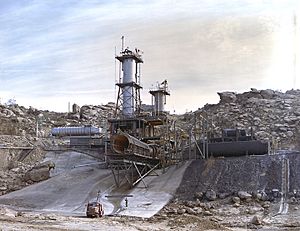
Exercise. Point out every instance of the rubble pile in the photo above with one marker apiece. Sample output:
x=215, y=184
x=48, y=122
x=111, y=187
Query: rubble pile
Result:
x=238, y=210
x=221, y=213
x=273, y=115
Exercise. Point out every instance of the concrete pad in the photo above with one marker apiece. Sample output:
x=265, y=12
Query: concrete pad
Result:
x=76, y=180
x=146, y=202
x=67, y=192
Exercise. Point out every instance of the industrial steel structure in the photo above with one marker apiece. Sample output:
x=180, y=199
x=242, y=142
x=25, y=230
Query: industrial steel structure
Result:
x=140, y=142
x=159, y=97
x=206, y=141
x=128, y=100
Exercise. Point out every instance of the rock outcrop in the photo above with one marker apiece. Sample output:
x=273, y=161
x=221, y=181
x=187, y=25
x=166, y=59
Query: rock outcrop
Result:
x=20, y=167
x=21, y=121
x=272, y=115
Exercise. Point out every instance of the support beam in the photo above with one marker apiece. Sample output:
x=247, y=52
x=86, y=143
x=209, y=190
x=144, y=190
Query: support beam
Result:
x=146, y=174
x=141, y=177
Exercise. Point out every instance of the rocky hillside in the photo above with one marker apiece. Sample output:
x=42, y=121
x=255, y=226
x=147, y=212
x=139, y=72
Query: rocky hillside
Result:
x=272, y=115
x=18, y=129
x=21, y=121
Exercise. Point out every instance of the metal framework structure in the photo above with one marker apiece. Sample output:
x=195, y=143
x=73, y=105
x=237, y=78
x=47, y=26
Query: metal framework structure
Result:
x=207, y=140
x=134, y=164
x=140, y=142
x=131, y=172
x=128, y=99
x=133, y=89
x=159, y=97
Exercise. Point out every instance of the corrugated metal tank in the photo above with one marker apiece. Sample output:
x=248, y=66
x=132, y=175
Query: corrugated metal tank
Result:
x=75, y=131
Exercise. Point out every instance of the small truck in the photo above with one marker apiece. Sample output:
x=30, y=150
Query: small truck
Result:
x=95, y=209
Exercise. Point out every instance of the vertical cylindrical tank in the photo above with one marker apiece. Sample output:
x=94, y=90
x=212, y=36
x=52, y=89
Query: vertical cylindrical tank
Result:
x=128, y=70
x=159, y=96
x=128, y=77
x=129, y=84
x=159, y=100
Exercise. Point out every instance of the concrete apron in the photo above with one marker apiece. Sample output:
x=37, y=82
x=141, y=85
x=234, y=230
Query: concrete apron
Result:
x=76, y=180
x=146, y=202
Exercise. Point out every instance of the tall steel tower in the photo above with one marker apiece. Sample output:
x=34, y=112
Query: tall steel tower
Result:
x=128, y=100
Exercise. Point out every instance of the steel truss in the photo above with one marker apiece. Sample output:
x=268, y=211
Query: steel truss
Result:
x=130, y=171
x=134, y=91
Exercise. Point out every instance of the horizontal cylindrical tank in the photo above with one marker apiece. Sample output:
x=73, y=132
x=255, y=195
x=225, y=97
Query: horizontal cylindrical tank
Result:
x=75, y=131
x=236, y=148
x=126, y=144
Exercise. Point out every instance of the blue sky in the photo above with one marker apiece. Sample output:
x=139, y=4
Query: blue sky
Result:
x=55, y=52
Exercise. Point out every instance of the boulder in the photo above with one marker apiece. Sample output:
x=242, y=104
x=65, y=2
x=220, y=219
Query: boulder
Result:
x=47, y=164
x=181, y=211
x=198, y=195
x=211, y=195
x=297, y=112
x=207, y=213
x=267, y=94
x=244, y=195
x=236, y=205
x=8, y=212
x=257, y=195
x=249, y=95
x=276, y=193
x=264, y=196
x=266, y=204
x=37, y=175
x=3, y=188
x=223, y=195
x=289, y=133
x=39, y=172
x=227, y=97
x=73, y=116
x=254, y=90
x=262, y=135
x=236, y=199
x=198, y=210
x=190, y=211
x=256, y=220
x=189, y=204
x=297, y=194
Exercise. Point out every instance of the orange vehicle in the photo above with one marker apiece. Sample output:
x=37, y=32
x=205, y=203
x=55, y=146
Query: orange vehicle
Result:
x=94, y=209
